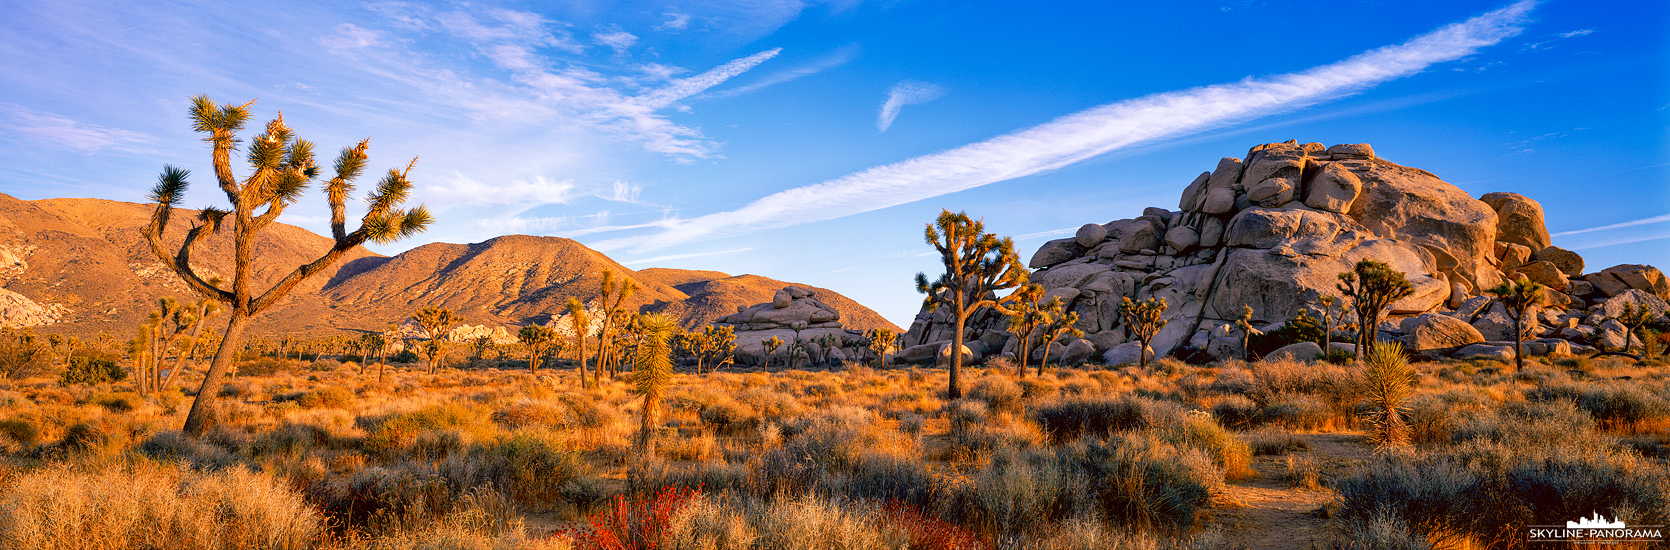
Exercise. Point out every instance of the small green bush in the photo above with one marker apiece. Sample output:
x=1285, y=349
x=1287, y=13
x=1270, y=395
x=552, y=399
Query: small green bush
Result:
x=22, y=431
x=118, y=402
x=90, y=371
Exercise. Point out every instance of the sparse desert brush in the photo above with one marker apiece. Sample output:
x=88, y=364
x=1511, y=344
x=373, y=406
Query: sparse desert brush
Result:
x=145, y=505
x=1273, y=441
x=428, y=427
x=999, y=392
x=1069, y=418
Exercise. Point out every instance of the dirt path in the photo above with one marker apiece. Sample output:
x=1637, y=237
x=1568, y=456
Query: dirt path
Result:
x=1266, y=512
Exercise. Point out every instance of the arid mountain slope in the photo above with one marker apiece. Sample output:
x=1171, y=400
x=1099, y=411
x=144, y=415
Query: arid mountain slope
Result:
x=89, y=257
x=85, y=262
x=713, y=294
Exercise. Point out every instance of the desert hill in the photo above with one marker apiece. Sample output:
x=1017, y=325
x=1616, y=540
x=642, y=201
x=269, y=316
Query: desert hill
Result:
x=713, y=294
x=81, y=266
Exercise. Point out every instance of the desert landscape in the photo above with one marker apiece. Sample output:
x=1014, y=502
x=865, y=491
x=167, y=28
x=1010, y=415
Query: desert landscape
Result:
x=1304, y=344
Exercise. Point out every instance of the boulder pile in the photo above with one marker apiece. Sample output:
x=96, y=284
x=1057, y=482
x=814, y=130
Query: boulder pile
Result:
x=1273, y=230
x=793, y=314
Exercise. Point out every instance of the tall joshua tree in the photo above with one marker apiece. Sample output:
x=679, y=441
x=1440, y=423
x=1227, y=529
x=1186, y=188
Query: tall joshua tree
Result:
x=1520, y=298
x=437, y=323
x=579, y=321
x=282, y=166
x=977, y=264
x=1145, y=320
x=619, y=291
x=1372, y=287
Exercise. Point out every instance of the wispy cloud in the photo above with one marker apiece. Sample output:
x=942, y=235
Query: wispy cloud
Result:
x=1632, y=223
x=547, y=79
x=460, y=190
x=1087, y=134
x=674, y=21
x=1050, y=233
x=686, y=87
x=905, y=93
x=671, y=257
x=1579, y=32
x=64, y=131
x=1626, y=240
x=839, y=57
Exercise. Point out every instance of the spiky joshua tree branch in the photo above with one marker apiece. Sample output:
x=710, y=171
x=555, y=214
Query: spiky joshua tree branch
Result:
x=281, y=168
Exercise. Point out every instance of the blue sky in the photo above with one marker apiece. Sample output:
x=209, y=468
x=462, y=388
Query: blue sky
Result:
x=811, y=141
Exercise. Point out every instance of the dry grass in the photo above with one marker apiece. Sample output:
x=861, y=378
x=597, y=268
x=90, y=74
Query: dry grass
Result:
x=1075, y=458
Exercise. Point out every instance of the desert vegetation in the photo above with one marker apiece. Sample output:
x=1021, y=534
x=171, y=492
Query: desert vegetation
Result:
x=316, y=452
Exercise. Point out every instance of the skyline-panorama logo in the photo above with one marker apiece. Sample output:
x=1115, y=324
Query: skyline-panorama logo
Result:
x=1596, y=530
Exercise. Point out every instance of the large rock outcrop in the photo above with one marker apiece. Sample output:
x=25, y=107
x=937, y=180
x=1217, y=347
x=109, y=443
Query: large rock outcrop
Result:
x=1273, y=231
x=793, y=314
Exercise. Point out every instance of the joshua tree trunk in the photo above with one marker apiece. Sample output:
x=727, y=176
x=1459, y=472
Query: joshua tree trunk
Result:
x=956, y=389
x=202, y=415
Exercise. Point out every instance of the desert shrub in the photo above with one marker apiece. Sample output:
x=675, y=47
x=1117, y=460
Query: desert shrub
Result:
x=1232, y=454
x=529, y=413
x=1533, y=426
x=1000, y=393
x=1269, y=441
x=90, y=371
x=729, y=417
x=264, y=366
x=1431, y=420
x=21, y=430
x=435, y=431
x=117, y=402
x=1303, y=328
x=175, y=447
x=149, y=506
x=631, y=524
x=405, y=356
x=1296, y=411
x=1303, y=472
x=531, y=470
x=334, y=397
x=1070, y=418
x=1613, y=406
x=1129, y=479
x=1444, y=498
x=376, y=501
x=1236, y=412
x=1338, y=356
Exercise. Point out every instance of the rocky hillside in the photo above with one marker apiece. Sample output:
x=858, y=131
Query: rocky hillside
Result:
x=81, y=266
x=1272, y=231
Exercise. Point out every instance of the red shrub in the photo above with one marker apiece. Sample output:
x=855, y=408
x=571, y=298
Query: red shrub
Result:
x=928, y=532
x=636, y=524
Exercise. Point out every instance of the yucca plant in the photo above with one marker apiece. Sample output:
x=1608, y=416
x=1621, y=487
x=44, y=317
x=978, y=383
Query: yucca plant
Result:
x=282, y=167
x=1025, y=317
x=882, y=341
x=611, y=299
x=771, y=344
x=1056, y=323
x=1388, y=381
x=579, y=321
x=651, y=374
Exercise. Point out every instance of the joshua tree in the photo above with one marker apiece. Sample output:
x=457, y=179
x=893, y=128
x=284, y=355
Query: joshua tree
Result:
x=1634, y=316
x=796, y=350
x=611, y=311
x=1144, y=320
x=195, y=317
x=437, y=323
x=977, y=264
x=1519, y=298
x=538, y=338
x=771, y=344
x=1244, y=325
x=1328, y=319
x=580, y=322
x=881, y=343
x=282, y=168
x=1056, y=323
x=480, y=345
x=652, y=372
x=1372, y=287
x=1024, y=319
x=1387, y=379
x=827, y=344
x=719, y=345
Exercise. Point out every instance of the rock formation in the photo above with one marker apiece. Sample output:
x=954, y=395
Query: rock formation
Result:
x=794, y=313
x=1274, y=229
